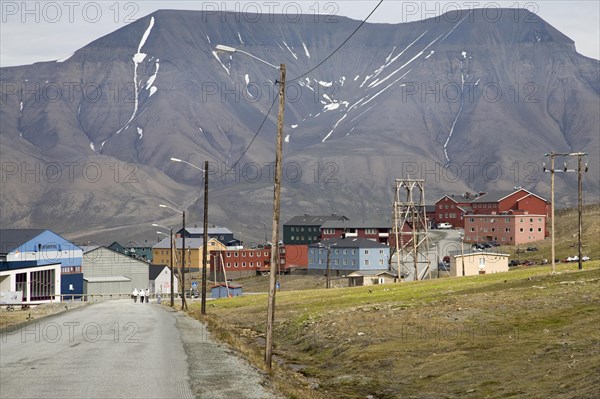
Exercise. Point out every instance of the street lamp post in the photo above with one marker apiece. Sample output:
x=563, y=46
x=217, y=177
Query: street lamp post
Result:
x=276, y=202
x=205, y=239
x=328, y=270
x=183, y=302
x=172, y=260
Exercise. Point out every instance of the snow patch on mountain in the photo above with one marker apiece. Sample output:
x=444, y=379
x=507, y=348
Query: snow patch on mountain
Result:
x=291, y=51
x=221, y=62
x=305, y=50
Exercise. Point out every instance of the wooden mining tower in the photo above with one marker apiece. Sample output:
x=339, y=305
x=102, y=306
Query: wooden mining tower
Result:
x=410, y=229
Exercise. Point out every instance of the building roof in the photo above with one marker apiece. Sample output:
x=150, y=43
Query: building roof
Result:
x=430, y=208
x=356, y=224
x=107, y=279
x=211, y=230
x=348, y=243
x=492, y=196
x=369, y=273
x=230, y=285
x=189, y=243
x=312, y=220
x=12, y=238
x=155, y=270
x=90, y=248
x=470, y=252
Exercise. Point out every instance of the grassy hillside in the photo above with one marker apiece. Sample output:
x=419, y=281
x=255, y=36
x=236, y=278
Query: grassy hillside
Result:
x=524, y=333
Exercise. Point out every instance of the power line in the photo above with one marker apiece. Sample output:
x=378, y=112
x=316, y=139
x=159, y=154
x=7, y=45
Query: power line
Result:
x=341, y=45
x=255, y=134
x=300, y=77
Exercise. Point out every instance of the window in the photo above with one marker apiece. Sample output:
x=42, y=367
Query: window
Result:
x=503, y=238
x=328, y=231
x=531, y=220
x=345, y=252
x=482, y=262
x=521, y=229
x=507, y=220
x=251, y=264
x=293, y=229
x=531, y=229
x=257, y=264
x=236, y=254
x=302, y=238
x=366, y=262
x=228, y=254
x=445, y=206
x=540, y=229
x=243, y=264
x=236, y=264
x=381, y=262
x=251, y=254
x=370, y=231
x=381, y=252
x=243, y=254
x=337, y=251
x=540, y=220
x=507, y=229
x=441, y=207
x=354, y=252
x=472, y=220
x=336, y=262
x=302, y=229
x=366, y=251
x=493, y=229
x=353, y=262
x=472, y=229
x=266, y=254
x=345, y=261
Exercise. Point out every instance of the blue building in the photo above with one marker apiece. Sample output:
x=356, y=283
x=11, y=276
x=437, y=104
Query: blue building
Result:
x=45, y=248
x=347, y=255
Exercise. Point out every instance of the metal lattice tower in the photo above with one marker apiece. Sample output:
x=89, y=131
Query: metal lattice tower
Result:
x=411, y=244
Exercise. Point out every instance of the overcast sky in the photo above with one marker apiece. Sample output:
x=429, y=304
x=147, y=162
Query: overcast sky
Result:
x=32, y=31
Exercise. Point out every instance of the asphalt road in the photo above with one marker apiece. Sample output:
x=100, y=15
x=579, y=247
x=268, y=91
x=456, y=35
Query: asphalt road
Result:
x=118, y=349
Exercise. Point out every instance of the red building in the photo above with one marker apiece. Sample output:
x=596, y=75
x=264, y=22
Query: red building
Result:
x=378, y=231
x=509, y=228
x=452, y=209
x=250, y=262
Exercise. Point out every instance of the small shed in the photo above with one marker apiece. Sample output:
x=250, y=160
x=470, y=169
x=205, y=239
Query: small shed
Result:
x=222, y=290
x=371, y=277
x=477, y=262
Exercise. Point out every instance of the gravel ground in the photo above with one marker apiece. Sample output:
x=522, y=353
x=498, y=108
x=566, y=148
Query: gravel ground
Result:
x=215, y=370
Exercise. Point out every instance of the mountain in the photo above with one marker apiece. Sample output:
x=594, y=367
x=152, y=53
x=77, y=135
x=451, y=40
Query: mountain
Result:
x=467, y=102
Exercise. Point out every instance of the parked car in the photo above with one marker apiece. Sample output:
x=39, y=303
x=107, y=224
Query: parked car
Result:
x=532, y=249
x=444, y=226
x=585, y=258
x=513, y=263
x=444, y=266
x=192, y=294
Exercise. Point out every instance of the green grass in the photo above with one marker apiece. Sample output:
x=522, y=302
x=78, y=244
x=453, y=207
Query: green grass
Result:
x=524, y=333
x=476, y=336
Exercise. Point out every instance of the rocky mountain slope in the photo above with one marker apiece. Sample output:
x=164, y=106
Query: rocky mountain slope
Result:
x=466, y=101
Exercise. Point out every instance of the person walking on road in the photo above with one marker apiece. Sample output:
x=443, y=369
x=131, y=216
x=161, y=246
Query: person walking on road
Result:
x=142, y=295
x=134, y=295
x=147, y=295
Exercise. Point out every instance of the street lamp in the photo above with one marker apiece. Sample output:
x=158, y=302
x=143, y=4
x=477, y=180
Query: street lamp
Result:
x=276, y=202
x=183, y=303
x=187, y=163
x=328, y=273
x=172, y=262
x=205, y=239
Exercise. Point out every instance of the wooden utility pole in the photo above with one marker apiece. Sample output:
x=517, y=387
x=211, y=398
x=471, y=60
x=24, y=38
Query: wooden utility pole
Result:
x=552, y=226
x=580, y=205
x=462, y=253
x=328, y=284
x=579, y=171
x=183, y=302
x=172, y=268
x=276, y=212
x=205, y=244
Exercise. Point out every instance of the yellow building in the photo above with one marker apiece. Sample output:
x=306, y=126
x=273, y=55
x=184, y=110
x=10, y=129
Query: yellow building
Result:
x=476, y=262
x=161, y=252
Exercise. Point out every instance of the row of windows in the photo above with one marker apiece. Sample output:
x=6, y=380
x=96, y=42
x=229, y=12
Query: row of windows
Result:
x=345, y=262
x=338, y=251
x=301, y=229
x=451, y=215
x=250, y=254
x=296, y=238
x=506, y=220
x=475, y=238
x=237, y=264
